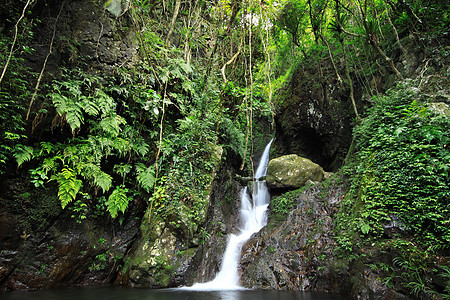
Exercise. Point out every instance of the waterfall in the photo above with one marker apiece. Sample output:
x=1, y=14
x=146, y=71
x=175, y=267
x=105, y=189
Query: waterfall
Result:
x=254, y=217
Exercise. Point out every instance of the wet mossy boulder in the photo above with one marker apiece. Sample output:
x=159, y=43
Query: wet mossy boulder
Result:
x=292, y=171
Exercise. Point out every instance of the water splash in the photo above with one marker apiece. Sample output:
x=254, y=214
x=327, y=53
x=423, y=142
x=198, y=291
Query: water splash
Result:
x=254, y=217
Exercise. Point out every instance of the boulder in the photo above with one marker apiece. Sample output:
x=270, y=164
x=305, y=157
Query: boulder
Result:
x=292, y=171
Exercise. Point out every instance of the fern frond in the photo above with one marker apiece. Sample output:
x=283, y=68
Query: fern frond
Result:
x=111, y=125
x=60, y=102
x=100, y=178
x=123, y=146
x=90, y=107
x=74, y=117
x=22, y=154
x=103, y=180
x=69, y=186
x=145, y=177
x=105, y=103
x=117, y=201
x=49, y=163
x=141, y=148
x=46, y=147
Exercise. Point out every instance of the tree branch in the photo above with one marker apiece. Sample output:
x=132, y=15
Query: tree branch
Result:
x=36, y=88
x=16, y=29
x=172, y=23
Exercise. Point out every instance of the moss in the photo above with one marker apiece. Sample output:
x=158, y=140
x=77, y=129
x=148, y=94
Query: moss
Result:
x=37, y=208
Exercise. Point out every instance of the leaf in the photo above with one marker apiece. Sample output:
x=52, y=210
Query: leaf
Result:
x=111, y=124
x=141, y=147
x=146, y=176
x=117, y=201
x=105, y=103
x=46, y=147
x=121, y=145
x=60, y=103
x=74, y=117
x=90, y=107
x=365, y=228
x=100, y=178
x=69, y=186
x=22, y=154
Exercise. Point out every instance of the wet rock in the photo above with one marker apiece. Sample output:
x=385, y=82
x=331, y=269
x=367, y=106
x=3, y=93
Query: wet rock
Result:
x=292, y=171
x=297, y=254
x=165, y=250
x=44, y=247
x=222, y=219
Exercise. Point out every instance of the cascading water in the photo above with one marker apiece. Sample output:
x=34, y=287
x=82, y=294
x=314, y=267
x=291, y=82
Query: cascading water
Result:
x=254, y=217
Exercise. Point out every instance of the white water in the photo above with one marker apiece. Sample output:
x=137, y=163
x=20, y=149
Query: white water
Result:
x=254, y=217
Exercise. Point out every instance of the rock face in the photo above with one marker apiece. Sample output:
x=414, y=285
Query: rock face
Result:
x=167, y=245
x=299, y=252
x=222, y=219
x=314, y=116
x=43, y=247
x=292, y=171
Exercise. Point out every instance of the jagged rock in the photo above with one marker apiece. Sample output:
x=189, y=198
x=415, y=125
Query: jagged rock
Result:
x=298, y=253
x=166, y=248
x=292, y=171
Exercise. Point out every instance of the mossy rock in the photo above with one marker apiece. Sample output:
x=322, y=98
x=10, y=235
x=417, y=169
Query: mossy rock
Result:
x=292, y=171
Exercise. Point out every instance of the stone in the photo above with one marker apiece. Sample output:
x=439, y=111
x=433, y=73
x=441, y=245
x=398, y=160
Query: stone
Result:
x=292, y=171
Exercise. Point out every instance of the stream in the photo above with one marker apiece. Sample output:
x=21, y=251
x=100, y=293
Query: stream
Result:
x=119, y=293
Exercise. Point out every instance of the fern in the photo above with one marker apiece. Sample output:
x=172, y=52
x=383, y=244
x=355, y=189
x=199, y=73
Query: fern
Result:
x=123, y=146
x=141, y=147
x=105, y=103
x=100, y=178
x=69, y=186
x=46, y=147
x=69, y=108
x=22, y=154
x=89, y=106
x=74, y=117
x=145, y=177
x=111, y=124
x=103, y=180
x=60, y=102
x=117, y=201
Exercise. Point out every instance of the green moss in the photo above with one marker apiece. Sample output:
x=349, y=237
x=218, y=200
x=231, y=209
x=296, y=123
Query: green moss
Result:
x=283, y=205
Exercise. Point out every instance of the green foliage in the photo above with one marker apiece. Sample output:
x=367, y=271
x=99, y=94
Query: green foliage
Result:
x=403, y=165
x=117, y=201
x=68, y=186
x=293, y=19
x=285, y=203
x=146, y=176
x=400, y=178
x=22, y=154
x=72, y=103
x=14, y=93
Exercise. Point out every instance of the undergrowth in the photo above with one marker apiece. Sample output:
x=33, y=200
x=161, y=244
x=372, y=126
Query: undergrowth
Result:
x=399, y=183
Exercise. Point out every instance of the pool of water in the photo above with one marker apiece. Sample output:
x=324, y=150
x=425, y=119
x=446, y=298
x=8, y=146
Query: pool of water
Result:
x=118, y=293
